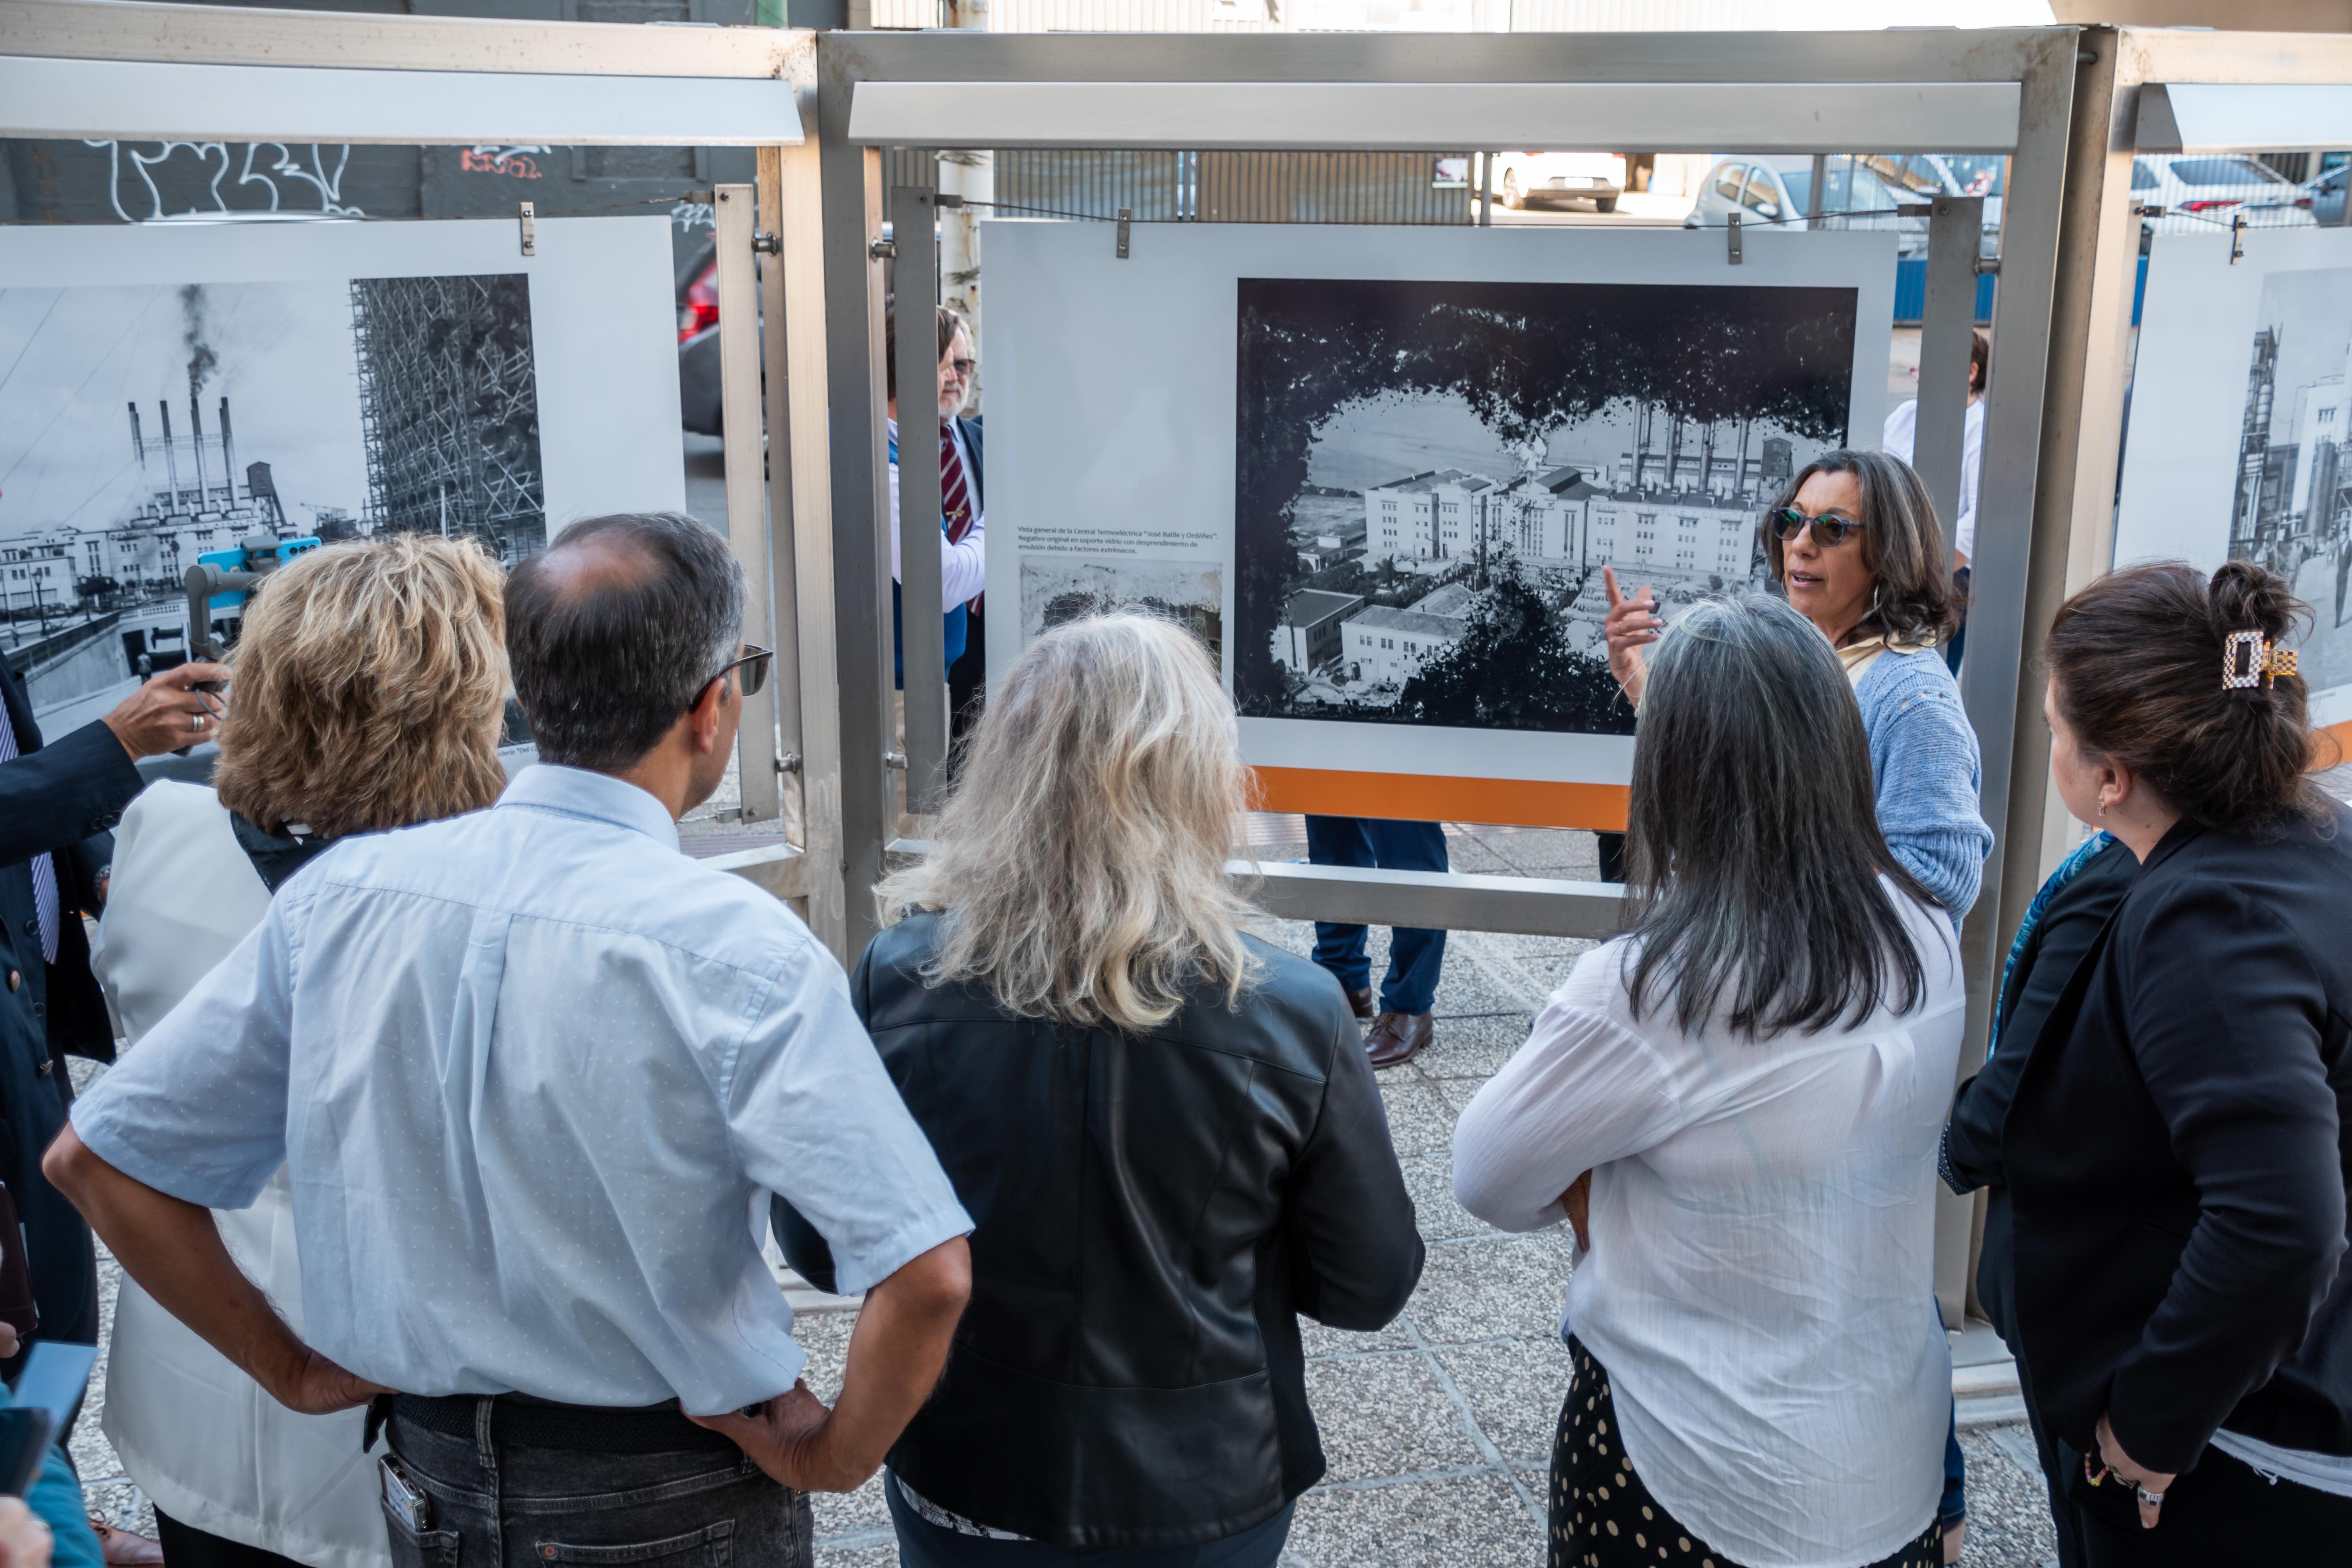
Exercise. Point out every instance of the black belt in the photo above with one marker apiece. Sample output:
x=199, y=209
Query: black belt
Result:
x=525, y=1421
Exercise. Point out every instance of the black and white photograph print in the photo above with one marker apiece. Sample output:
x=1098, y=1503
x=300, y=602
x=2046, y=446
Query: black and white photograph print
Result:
x=1431, y=476
x=142, y=426
x=2292, y=507
x=1057, y=589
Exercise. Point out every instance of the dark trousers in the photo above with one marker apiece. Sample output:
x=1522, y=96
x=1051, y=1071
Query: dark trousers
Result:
x=494, y=1504
x=1414, y=956
x=185, y=1546
x=2222, y=1511
x=922, y=1544
x=967, y=676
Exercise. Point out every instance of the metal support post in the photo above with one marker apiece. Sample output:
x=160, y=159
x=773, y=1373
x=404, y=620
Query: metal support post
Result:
x=913, y=231
x=1955, y=231
x=783, y=563
x=1814, y=198
x=801, y=454
x=741, y=425
x=1485, y=190
x=861, y=543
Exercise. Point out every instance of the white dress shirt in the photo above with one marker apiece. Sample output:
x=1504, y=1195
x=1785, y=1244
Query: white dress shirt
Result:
x=963, y=565
x=1760, y=1287
x=1901, y=438
x=199, y=1437
x=528, y=1069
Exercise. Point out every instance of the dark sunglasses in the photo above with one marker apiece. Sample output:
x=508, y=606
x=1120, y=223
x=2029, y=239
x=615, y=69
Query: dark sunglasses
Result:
x=754, y=665
x=1829, y=532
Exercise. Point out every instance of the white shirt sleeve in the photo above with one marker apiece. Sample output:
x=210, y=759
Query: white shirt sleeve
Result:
x=199, y=1110
x=1964, y=527
x=1902, y=432
x=963, y=565
x=1583, y=1092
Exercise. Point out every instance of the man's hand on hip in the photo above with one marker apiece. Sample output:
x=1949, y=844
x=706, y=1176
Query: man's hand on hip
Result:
x=168, y=712
x=896, y=1354
x=786, y=1439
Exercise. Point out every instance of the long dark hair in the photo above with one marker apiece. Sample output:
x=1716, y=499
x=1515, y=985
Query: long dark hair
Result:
x=1902, y=544
x=1753, y=849
x=2137, y=659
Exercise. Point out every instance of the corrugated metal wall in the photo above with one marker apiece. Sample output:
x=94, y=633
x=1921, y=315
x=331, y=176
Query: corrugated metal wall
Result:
x=1217, y=187
x=1326, y=187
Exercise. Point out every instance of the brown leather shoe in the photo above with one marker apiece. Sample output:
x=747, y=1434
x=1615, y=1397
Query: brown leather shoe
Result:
x=1394, y=1037
x=1361, y=1002
x=122, y=1549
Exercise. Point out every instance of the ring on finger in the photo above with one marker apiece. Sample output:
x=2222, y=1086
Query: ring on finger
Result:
x=197, y=719
x=2152, y=1500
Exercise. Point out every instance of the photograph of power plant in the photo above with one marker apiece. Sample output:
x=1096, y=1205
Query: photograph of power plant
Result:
x=144, y=427
x=2292, y=508
x=1431, y=476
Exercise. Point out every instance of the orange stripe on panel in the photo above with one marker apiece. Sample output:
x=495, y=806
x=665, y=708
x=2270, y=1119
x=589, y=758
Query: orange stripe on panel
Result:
x=1421, y=797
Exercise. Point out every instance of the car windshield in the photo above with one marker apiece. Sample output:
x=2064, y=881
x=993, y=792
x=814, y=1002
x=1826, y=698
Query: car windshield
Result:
x=1800, y=187
x=2226, y=172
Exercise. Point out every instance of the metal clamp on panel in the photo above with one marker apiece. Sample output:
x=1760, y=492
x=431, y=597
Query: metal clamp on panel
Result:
x=528, y=217
x=1126, y=217
x=1731, y=229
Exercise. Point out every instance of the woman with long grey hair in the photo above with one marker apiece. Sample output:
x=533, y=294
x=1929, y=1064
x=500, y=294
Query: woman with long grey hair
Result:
x=1163, y=1127
x=1753, y=1076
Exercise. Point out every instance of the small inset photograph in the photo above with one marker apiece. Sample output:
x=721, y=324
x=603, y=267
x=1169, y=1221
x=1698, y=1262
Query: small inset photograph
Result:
x=1058, y=589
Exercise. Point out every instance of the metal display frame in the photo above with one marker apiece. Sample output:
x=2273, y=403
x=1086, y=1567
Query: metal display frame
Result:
x=2005, y=91
x=189, y=72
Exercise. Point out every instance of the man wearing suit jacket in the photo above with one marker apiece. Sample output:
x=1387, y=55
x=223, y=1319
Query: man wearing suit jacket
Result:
x=57, y=803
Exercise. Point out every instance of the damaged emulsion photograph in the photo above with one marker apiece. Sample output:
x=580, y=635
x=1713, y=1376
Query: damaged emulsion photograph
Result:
x=1431, y=476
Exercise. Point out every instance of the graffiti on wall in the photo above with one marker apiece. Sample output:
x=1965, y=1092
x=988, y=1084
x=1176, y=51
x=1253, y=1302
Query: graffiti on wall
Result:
x=152, y=180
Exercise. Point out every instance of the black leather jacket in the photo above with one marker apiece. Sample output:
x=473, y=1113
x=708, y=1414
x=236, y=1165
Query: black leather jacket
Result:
x=1152, y=1213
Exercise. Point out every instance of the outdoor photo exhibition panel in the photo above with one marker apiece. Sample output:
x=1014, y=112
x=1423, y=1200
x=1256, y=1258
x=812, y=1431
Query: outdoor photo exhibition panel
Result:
x=2241, y=428
x=1989, y=92
x=307, y=370
x=1378, y=471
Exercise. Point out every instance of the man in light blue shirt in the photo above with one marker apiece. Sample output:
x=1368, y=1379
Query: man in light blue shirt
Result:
x=531, y=1072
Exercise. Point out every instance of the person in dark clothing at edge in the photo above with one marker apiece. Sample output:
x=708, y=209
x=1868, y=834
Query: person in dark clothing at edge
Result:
x=58, y=804
x=1164, y=1128
x=2176, y=1141
x=2060, y=923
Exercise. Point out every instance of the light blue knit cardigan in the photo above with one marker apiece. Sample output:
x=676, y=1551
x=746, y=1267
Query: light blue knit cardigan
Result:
x=1927, y=770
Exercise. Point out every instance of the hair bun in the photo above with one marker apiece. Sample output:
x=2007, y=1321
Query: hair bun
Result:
x=2243, y=597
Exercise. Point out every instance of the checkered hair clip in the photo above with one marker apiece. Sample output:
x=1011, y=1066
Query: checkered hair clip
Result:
x=2249, y=659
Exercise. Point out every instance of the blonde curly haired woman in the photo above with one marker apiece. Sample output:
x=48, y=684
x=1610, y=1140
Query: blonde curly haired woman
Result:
x=1164, y=1128
x=369, y=688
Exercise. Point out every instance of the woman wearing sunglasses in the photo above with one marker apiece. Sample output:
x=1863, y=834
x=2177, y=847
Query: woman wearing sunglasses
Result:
x=1854, y=543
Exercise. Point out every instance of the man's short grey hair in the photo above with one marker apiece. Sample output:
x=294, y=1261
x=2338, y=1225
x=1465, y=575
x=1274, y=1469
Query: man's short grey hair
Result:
x=605, y=661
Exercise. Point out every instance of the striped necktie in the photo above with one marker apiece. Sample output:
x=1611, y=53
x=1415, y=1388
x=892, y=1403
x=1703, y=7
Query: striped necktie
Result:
x=955, y=492
x=45, y=870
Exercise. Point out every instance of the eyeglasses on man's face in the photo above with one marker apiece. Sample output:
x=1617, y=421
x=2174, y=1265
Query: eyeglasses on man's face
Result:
x=960, y=369
x=754, y=662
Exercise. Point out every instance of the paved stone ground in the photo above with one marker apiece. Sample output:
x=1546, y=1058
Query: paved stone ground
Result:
x=1438, y=1429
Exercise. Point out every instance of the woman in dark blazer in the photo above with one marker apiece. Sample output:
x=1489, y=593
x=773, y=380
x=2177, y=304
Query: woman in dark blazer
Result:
x=1165, y=1130
x=2176, y=1147
x=2065, y=919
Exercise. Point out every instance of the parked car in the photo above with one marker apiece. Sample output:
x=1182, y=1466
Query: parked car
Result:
x=2326, y=192
x=1526, y=179
x=697, y=341
x=1778, y=190
x=2201, y=190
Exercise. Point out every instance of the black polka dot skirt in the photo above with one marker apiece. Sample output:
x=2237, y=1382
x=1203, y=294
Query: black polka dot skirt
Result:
x=1603, y=1517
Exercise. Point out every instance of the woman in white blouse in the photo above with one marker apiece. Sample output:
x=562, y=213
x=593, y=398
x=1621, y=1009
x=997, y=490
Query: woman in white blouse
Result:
x=1754, y=1076
x=369, y=691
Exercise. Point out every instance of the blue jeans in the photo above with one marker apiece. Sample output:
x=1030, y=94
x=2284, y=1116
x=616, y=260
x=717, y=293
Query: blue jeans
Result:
x=493, y=1504
x=1414, y=956
x=922, y=1544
